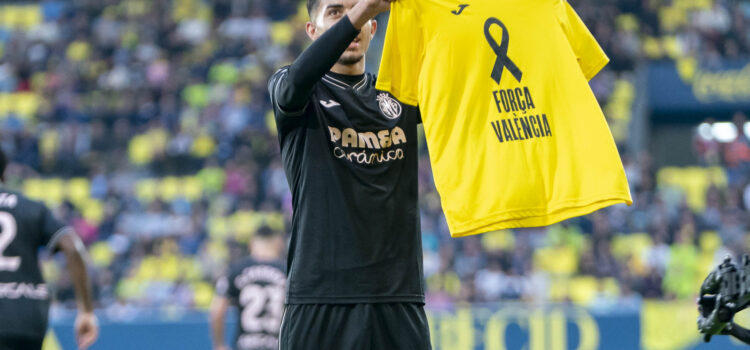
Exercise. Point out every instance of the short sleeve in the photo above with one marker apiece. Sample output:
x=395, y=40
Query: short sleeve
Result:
x=273, y=91
x=226, y=288
x=222, y=286
x=402, y=53
x=591, y=57
x=51, y=229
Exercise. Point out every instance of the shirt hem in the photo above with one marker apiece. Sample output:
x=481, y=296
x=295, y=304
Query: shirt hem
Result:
x=536, y=217
x=22, y=335
x=356, y=300
x=595, y=69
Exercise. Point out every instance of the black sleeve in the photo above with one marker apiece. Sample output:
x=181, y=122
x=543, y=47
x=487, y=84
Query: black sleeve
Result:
x=51, y=229
x=290, y=87
x=740, y=333
x=225, y=286
x=222, y=286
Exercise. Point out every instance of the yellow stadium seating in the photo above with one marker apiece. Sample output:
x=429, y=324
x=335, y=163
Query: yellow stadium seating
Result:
x=562, y=260
x=694, y=181
x=139, y=150
x=78, y=190
x=583, y=289
x=203, y=146
x=558, y=289
x=282, y=33
x=633, y=244
x=22, y=17
x=498, y=241
x=92, y=210
x=218, y=227
x=101, y=254
x=169, y=188
x=191, y=188
x=146, y=190
x=709, y=242
x=203, y=294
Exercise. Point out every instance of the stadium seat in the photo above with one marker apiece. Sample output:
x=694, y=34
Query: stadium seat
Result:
x=245, y=223
x=709, y=242
x=78, y=190
x=203, y=293
x=92, y=210
x=169, y=188
x=559, y=289
x=101, y=254
x=139, y=150
x=54, y=191
x=561, y=260
x=24, y=105
x=146, y=190
x=633, y=244
x=212, y=179
x=219, y=227
x=191, y=188
x=583, y=289
x=34, y=188
x=203, y=146
x=694, y=181
x=282, y=33
x=23, y=17
x=498, y=241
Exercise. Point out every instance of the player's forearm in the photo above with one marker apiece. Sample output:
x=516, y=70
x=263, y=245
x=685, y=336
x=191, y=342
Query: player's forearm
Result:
x=217, y=324
x=74, y=251
x=217, y=333
x=313, y=63
x=81, y=284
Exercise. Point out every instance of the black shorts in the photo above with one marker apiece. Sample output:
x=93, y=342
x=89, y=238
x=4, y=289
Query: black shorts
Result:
x=388, y=326
x=9, y=342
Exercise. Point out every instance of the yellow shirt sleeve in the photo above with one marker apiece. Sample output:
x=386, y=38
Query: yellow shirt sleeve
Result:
x=403, y=52
x=591, y=57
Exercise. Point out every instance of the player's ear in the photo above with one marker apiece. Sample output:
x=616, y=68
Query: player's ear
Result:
x=374, y=28
x=310, y=29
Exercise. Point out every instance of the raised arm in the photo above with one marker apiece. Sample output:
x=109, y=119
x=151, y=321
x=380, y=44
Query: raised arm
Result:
x=290, y=88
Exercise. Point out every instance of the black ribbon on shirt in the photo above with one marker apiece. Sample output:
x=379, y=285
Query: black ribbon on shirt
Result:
x=502, y=61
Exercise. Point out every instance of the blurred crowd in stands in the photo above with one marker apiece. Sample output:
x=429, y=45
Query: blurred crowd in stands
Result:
x=146, y=125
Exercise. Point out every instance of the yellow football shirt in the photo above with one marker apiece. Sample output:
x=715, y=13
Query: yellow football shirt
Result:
x=516, y=136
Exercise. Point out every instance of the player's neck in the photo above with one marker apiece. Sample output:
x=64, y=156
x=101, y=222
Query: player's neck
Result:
x=353, y=69
x=263, y=252
x=265, y=257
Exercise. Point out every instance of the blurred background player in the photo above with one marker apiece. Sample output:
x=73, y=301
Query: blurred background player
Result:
x=25, y=226
x=256, y=286
x=351, y=159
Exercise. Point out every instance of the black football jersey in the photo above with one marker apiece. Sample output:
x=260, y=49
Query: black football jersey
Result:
x=257, y=289
x=25, y=226
x=350, y=157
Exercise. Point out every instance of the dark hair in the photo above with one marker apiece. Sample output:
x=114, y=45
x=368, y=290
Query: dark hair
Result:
x=264, y=232
x=3, y=164
x=312, y=6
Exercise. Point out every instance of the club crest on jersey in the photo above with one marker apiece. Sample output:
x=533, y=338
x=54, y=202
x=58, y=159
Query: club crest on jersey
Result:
x=389, y=106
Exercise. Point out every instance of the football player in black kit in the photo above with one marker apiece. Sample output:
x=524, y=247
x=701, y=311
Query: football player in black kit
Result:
x=354, y=263
x=26, y=226
x=256, y=286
